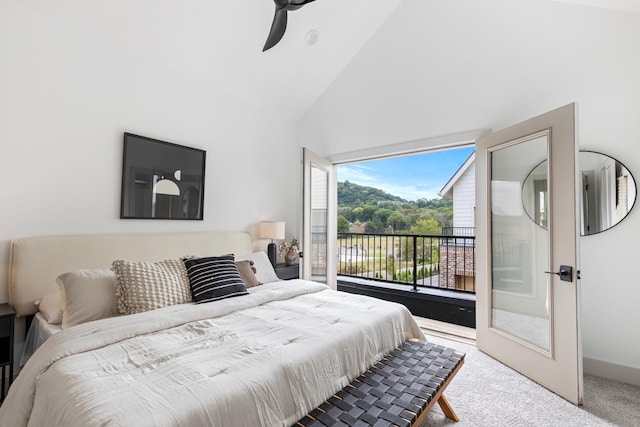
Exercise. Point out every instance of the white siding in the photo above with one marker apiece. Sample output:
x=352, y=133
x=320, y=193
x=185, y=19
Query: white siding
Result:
x=464, y=198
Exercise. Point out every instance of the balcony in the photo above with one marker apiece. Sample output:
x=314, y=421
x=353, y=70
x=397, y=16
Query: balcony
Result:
x=433, y=275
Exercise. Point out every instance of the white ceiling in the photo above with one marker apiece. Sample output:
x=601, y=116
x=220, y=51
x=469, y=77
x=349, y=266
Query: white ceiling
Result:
x=292, y=75
x=219, y=43
x=622, y=5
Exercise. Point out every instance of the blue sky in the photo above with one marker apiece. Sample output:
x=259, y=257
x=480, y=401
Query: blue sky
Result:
x=419, y=176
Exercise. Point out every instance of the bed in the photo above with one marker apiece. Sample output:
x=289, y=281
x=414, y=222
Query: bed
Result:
x=39, y=331
x=266, y=357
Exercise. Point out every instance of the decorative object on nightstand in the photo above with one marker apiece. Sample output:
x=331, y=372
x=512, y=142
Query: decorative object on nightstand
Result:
x=287, y=272
x=7, y=320
x=290, y=251
x=271, y=230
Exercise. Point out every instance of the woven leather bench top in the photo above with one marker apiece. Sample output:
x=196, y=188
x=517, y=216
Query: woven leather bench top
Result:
x=396, y=391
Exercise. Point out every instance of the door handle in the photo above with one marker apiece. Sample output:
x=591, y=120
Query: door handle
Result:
x=565, y=273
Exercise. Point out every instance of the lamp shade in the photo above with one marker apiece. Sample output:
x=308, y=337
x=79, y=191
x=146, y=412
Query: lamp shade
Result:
x=271, y=230
x=166, y=186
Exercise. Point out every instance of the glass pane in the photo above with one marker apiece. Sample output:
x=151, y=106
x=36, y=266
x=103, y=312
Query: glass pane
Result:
x=319, y=221
x=520, y=248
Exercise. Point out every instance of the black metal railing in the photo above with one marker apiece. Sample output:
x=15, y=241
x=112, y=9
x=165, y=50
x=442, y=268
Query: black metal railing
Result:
x=444, y=262
x=459, y=231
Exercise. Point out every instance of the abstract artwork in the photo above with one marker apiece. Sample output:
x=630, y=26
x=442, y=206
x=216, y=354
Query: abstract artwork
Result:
x=161, y=180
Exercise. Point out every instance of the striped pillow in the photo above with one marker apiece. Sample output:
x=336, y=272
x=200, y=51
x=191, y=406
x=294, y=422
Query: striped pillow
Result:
x=214, y=278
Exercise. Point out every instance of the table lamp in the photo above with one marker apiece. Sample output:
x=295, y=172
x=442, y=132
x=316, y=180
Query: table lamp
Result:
x=271, y=230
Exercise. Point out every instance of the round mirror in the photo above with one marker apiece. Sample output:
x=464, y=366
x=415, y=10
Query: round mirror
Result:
x=607, y=196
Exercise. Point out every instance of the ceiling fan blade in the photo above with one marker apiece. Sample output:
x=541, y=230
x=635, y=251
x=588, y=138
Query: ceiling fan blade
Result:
x=278, y=28
x=297, y=4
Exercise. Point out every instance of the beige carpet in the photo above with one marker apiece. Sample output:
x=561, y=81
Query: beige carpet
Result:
x=488, y=393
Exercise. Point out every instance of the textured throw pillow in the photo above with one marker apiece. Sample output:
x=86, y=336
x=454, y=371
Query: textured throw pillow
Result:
x=214, y=278
x=51, y=308
x=248, y=273
x=264, y=270
x=143, y=286
x=86, y=295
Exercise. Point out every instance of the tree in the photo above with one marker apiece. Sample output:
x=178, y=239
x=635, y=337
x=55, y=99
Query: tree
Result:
x=369, y=212
x=357, y=213
x=396, y=220
x=382, y=214
x=345, y=211
x=374, y=226
x=370, y=227
x=429, y=227
x=391, y=266
x=343, y=224
x=411, y=219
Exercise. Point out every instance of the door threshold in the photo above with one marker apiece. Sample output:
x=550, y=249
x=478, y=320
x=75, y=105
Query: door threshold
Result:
x=447, y=330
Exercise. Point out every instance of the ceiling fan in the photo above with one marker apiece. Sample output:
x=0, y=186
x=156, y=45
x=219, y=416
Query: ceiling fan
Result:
x=279, y=24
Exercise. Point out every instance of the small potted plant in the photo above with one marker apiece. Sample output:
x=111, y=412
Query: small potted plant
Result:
x=290, y=251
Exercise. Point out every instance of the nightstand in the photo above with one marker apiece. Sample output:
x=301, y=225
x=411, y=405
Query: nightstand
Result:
x=7, y=319
x=287, y=272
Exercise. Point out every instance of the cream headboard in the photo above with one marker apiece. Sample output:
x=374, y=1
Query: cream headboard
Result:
x=35, y=262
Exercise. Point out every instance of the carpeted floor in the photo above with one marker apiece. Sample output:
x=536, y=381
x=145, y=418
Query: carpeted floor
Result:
x=488, y=393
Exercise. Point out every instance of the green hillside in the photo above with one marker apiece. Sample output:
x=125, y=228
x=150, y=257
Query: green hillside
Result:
x=376, y=211
x=350, y=194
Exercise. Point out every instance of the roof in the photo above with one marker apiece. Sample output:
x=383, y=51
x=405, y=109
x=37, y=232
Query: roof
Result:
x=447, y=190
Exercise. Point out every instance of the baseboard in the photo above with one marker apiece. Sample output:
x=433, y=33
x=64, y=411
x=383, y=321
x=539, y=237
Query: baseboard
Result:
x=611, y=371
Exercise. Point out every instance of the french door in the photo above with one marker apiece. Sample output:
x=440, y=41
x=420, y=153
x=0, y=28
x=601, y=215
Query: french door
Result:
x=527, y=292
x=319, y=219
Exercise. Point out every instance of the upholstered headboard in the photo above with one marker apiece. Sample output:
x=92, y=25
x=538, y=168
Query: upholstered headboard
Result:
x=35, y=262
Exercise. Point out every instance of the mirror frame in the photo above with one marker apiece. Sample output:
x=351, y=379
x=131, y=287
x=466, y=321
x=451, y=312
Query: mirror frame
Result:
x=635, y=196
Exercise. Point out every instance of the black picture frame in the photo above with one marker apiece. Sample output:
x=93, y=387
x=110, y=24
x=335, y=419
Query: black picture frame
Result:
x=161, y=180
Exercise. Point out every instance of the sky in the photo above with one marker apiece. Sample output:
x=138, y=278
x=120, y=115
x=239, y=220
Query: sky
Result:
x=418, y=176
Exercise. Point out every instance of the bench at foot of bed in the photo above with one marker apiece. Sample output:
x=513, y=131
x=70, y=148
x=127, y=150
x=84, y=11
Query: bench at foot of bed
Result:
x=399, y=390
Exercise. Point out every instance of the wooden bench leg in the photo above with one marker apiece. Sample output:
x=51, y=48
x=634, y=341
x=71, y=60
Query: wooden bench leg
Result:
x=447, y=409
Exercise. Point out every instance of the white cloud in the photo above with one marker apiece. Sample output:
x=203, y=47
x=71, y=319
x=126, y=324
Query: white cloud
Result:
x=361, y=174
x=357, y=174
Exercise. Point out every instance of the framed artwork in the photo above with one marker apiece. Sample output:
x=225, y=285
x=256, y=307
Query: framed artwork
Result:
x=161, y=180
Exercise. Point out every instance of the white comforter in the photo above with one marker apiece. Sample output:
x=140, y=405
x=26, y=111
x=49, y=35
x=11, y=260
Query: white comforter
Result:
x=266, y=359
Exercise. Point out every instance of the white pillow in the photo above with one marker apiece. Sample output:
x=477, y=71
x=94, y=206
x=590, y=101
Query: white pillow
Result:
x=87, y=295
x=264, y=270
x=51, y=308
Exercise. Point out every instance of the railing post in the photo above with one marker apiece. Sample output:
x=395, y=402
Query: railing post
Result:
x=415, y=263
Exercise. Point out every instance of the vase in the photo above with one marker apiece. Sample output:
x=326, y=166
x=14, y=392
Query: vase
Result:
x=290, y=257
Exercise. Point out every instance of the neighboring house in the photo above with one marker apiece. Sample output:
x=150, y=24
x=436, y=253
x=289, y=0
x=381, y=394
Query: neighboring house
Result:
x=457, y=256
x=461, y=189
x=357, y=227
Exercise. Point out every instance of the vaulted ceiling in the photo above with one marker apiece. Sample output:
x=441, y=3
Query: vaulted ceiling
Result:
x=223, y=42
x=219, y=43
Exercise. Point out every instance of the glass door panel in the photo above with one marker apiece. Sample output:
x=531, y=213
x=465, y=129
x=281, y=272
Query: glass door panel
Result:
x=519, y=247
x=526, y=318
x=319, y=222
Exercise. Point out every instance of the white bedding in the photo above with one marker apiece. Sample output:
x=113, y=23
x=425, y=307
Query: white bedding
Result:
x=266, y=359
x=39, y=331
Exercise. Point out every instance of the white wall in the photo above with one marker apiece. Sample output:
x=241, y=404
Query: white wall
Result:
x=437, y=68
x=65, y=100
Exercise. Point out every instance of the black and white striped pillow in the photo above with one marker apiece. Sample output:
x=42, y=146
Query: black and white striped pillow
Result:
x=214, y=278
